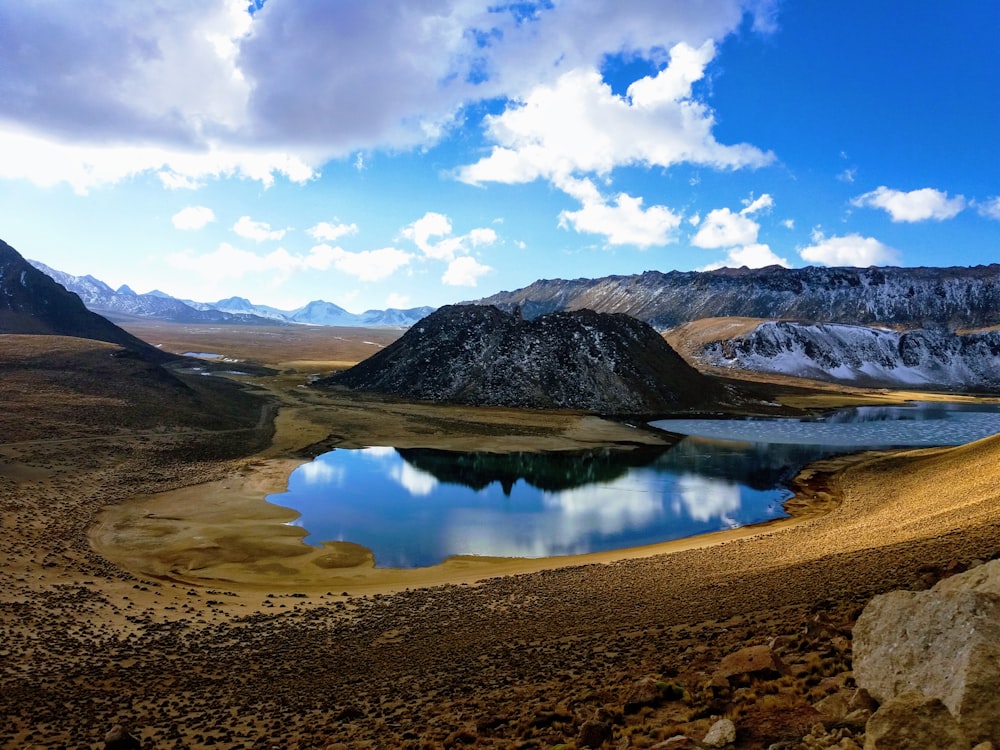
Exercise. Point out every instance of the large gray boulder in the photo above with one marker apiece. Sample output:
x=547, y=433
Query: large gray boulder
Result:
x=912, y=721
x=943, y=643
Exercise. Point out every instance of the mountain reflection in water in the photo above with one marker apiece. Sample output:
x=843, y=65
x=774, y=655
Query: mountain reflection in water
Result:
x=416, y=507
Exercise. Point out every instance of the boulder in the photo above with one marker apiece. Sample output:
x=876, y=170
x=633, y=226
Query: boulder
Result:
x=943, y=643
x=644, y=692
x=594, y=733
x=913, y=720
x=720, y=734
x=760, y=662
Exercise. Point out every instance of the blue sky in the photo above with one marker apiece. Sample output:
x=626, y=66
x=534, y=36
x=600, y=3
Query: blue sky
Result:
x=388, y=154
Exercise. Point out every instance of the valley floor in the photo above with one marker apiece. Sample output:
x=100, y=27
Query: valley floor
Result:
x=207, y=643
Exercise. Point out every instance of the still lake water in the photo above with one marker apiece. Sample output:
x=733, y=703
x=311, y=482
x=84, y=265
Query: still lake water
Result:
x=416, y=507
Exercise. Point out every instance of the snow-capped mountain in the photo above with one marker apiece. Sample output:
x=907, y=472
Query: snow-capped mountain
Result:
x=906, y=297
x=865, y=356
x=157, y=305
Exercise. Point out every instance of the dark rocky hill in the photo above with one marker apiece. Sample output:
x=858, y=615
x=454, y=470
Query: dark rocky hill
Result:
x=33, y=303
x=905, y=297
x=480, y=355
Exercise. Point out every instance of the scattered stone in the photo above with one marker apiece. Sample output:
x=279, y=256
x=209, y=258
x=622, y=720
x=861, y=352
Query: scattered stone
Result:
x=119, y=738
x=913, y=720
x=594, y=734
x=943, y=643
x=677, y=742
x=644, y=692
x=760, y=662
x=720, y=734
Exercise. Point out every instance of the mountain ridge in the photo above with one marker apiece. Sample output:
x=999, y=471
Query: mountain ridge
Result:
x=920, y=297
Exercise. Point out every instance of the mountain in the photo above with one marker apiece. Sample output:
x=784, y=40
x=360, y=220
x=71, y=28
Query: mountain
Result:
x=33, y=303
x=865, y=356
x=157, y=305
x=101, y=298
x=480, y=355
x=901, y=297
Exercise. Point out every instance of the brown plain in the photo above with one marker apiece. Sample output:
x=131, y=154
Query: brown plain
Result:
x=146, y=580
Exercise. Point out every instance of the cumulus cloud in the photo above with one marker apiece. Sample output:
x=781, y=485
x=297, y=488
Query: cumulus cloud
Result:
x=367, y=265
x=193, y=217
x=990, y=209
x=432, y=233
x=577, y=124
x=258, y=231
x=327, y=232
x=916, y=205
x=722, y=228
x=464, y=271
x=752, y=256
x=848, y=250
x=278, y=92
x=623, y=221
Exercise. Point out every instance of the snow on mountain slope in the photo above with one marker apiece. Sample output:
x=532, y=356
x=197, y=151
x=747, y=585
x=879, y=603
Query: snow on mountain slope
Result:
x=865, y=356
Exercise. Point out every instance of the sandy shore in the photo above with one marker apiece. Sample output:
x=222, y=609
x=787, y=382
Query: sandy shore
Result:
x=199, y=618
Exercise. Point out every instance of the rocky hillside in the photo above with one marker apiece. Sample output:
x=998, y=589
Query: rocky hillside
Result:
x=32, y=303
x=865, y=356
x=469, y=354
x=905, y=297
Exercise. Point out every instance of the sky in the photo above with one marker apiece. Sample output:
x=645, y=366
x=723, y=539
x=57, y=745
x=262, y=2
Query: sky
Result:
x=396, y=154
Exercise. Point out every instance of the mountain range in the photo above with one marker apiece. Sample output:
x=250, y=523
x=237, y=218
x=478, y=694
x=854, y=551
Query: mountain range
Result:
x=123, y=303
x=951, y=298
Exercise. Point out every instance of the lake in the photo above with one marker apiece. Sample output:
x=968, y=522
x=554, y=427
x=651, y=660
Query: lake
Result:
x=416, y=507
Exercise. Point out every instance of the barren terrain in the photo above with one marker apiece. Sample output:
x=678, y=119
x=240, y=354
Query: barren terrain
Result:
x=146, y=581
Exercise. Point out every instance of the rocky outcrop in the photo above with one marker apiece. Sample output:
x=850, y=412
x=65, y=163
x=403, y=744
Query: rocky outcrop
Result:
x=905, y=297
x=478, y=355
x=864, y=356
x=32, y=303
x=943, y=644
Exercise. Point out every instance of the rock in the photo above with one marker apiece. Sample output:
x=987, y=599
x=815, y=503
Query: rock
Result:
x=943, y=643
x=643, y=693
x=759, y=662
x=594, y=734
x=119, y=738
x=834, y=707
x=911, y=721
x=677, y=742
x=720, y=734
x=984, y=746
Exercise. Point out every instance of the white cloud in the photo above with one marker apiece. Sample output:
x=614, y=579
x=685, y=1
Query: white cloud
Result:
x=46, y=162
x=623, y=222
x=464, y=271
x=578, y=125
x=848, y=250
x=278, y=94
x=193, y=217
x=991, y=208
x=326, y=232
x=751, y=256
x=397, y=301
x=432, y=225
x=751, y=206
x=916, y=205
x=368, y=265
x=722, y=228
x=258, y=231
x=230, y=262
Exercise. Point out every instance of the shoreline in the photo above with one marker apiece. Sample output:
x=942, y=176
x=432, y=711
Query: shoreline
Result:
x=242, y=541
